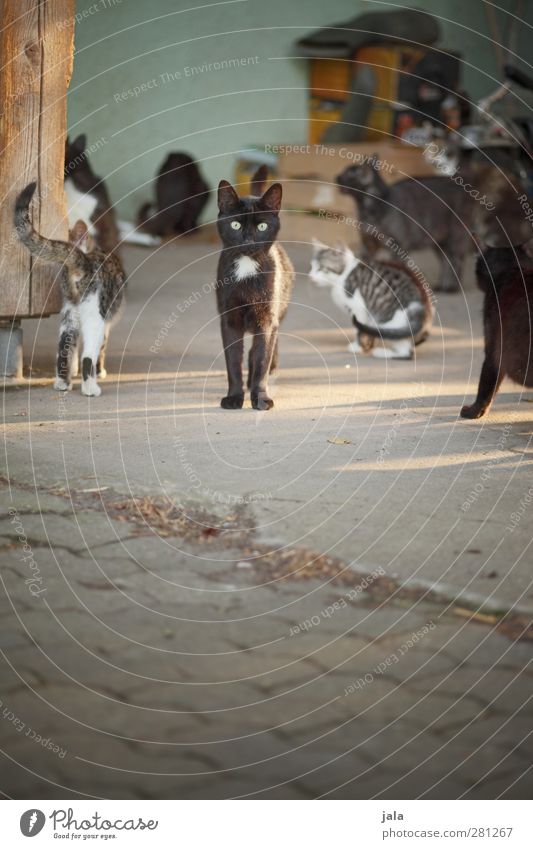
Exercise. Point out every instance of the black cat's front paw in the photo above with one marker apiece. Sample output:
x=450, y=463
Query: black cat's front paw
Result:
x=262, y=402
x=472, y=411
x=232, y=402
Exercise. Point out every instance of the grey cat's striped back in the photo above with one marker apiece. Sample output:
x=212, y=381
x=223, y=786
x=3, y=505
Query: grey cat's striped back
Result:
x=385, y=299
x=385, y=287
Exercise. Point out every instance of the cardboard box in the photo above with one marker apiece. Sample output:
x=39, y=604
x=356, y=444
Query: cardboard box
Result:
x=326, y=161
x=302, y=227
x=315, y=195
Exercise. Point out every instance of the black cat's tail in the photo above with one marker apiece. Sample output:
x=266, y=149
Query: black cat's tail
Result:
x=415, y=327
x=154, y=222
x=144, y=213
x=48, y=250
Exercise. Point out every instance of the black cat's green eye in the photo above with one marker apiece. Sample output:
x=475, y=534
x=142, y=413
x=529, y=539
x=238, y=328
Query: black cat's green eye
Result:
x=236, y=225
x=262, y=226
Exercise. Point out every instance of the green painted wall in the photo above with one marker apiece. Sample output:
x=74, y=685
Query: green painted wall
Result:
x=123, y=44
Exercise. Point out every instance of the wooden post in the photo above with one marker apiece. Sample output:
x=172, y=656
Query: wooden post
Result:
x=36, y=50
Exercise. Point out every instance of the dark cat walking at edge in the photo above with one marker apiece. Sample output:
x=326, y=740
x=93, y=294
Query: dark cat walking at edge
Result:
x=92, y=285
x=254, y=282
x=505, y=276
x=181, y=194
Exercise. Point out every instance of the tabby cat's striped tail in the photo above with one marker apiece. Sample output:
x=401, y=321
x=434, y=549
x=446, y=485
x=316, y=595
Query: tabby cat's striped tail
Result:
x=413, y=327
x=49, y=250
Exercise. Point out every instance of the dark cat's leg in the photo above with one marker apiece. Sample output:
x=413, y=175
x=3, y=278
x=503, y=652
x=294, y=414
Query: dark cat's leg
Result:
x=263, y=348
x=100, y=365
x=275, y=357
x=251, y=356
x=67, y=348
x=233, y=341
x=489, y=383
x=249, y=380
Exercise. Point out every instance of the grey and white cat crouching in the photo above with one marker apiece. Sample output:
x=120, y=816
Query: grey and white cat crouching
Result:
x=254, y=283
x=386, y=301
x=92, y=286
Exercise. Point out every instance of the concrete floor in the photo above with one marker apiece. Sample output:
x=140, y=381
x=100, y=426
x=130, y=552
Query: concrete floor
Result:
x=157, y=642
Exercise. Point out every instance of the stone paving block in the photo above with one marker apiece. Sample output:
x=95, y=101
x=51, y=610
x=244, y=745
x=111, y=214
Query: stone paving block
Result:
x=515, y=783
x=501, y=689
x=32, y=500
x=79, y=531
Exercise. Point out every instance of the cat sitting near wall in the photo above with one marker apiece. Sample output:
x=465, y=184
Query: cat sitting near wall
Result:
x=181, y=194
x=87, y=197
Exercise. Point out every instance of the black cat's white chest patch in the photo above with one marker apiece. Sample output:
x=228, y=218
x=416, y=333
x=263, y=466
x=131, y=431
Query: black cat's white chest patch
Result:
x=245, y=266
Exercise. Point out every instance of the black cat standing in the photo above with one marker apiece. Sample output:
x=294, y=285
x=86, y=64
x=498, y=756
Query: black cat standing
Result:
x=505, y=276
x=254, y=282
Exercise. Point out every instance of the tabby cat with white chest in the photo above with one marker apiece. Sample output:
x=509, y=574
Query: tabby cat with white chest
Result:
x=385, y=300
x=92, y=285
x=254, y=282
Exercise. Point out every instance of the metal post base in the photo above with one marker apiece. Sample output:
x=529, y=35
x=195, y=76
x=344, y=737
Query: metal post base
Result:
x=10, y=349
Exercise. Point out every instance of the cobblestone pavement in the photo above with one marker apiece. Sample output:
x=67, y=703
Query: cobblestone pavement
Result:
x=198, y=604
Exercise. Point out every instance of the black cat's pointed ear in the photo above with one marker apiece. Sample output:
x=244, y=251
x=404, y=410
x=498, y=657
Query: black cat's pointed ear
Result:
x=227, y=196
x=257, y=183
x=80, y=143
x=271, y=200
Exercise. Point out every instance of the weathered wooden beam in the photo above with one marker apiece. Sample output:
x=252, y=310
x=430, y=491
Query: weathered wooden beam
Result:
x=36, y=50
